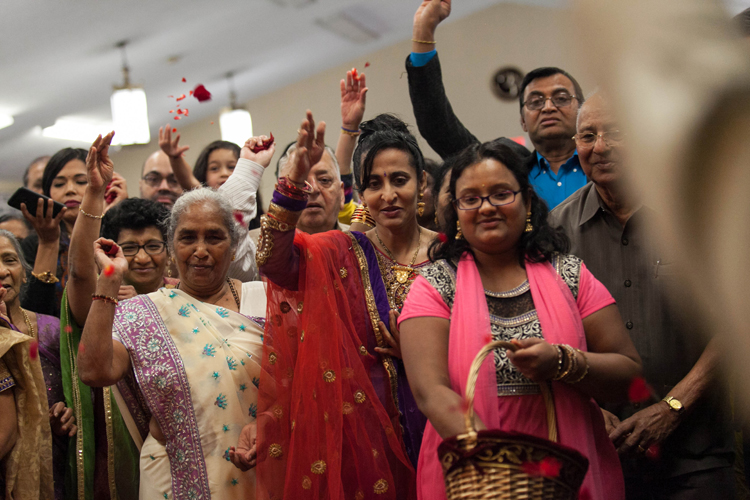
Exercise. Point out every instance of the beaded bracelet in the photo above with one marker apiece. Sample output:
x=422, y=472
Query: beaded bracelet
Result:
x=288, y=189
x=353, y=133
x=104, y=298
x=90, y=215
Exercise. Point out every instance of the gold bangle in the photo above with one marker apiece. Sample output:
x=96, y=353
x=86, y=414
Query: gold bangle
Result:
x=90, y=215
x=426, y=42
x=585, y=370
x=282, y=214
x=45, y=277
x=104, y=298
x=362, y=216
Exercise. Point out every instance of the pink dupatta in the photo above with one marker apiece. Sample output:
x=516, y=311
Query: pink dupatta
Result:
x=579, y=420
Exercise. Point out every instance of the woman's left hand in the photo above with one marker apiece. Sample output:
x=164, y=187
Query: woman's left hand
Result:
x=46, y=226
x=393, y=337
x=62, y=420
x=118, y=191
x=244, y=457
x=118, y=261
x=535, y=358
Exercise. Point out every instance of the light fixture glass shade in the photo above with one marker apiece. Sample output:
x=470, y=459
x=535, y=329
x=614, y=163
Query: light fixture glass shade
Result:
x=5, y=121
x=130, y=116
x=236, y=126
x=72, y=129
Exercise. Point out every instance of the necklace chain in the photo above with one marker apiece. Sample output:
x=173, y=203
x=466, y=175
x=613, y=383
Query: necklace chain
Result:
x=390, y=254
x=231, y=288
x=28, y=323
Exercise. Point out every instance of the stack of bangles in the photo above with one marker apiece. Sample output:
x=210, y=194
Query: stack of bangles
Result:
x=104, y=298
x=568, y=368
x=283, y=213
x=362, y=216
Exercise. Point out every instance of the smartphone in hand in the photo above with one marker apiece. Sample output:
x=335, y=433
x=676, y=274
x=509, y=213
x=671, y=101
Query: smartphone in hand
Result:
x=30, y=198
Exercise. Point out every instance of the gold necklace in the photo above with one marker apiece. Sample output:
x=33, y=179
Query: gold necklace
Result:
x=28, y=323
x=403, y=273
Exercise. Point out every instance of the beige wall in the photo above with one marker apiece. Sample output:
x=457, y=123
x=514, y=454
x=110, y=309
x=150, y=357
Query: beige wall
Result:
x=471, y=49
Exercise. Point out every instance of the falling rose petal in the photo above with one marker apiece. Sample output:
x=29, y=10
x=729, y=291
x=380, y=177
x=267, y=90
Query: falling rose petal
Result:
x=638, y=392
x=262, y=146
x=186, y=112
x=171, y=110
x=367, y=65
x=68, y=329
x=110, y=197
x=33, y=349
x=181, y=97
x=212, y=123
x=442, y=237
x=176, y=117
x=179, y=111
x=238, y=217
x=81, y=348
x=200, y=93
x=170, y=96
x=109, y=269
x=191, y=92
x=183, y=79
x=550, y=467
x=174, y=130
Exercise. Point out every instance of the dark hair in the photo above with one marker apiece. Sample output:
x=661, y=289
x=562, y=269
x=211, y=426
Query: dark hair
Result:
x=385, y=131
x=57, y=162
x=201, y=166
x=44, y=158
x=537, y=245
x=433, y=169
x=134, y=214
x=543, y=73
x=742, y=20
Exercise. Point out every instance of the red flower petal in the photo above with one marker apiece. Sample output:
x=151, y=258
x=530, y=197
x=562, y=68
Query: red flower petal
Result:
x=638, y=392
x=33, y=349
x=108, y=270
x=191, y=92
x=186, y=112
x=653, y=452
x=238, y=217
x=68, y=329
x=179, y=111
x=212, y=123
x=81, y=348
x=174, y=130
x=176, y=117
x=531, y=468
x=550, y=467
x=110, y=197
x=201, y=93
x=262, y=146
x=183, y=79
x=181, y=97
x=442, y=237
x=171, y=110
x=170, y=96
x=367, y=65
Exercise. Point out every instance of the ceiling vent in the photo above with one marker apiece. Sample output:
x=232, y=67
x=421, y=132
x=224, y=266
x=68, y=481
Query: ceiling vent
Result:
x=293, y=3
x=358, y=24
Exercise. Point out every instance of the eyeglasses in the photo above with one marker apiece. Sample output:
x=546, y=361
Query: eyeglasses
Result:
x=151, y=248
x=155, y=180
x=495, y=199
x=610, y=138
x=561, y=100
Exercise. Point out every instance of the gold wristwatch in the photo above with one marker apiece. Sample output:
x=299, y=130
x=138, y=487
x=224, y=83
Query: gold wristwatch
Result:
x=674, y=404
x=46, y=277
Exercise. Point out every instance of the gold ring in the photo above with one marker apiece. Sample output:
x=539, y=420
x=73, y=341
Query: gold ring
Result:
x=641, y=449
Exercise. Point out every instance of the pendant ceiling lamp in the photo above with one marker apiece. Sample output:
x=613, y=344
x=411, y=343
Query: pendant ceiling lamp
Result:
x=129, y=110
x=235, y=122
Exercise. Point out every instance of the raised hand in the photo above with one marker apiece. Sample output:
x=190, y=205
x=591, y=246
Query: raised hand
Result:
x=99, y=166
x=429, y=14
x=309, y=150
x=102, y=249
x=46, y=226
x=353, y=93
x=261, y=157
x=171, y=145
x=62, y=420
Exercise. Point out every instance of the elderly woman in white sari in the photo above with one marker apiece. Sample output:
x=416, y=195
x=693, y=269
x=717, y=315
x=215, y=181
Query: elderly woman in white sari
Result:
x=194, y=356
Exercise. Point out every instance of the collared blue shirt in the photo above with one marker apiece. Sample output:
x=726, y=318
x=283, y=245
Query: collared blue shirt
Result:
x=554, y=188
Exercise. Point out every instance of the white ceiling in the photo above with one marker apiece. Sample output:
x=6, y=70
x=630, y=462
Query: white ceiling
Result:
x=59, y=58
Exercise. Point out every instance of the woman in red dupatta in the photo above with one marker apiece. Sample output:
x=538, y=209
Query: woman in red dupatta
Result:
x=503, y=274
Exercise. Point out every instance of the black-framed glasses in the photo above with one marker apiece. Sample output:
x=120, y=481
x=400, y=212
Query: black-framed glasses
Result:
x=155, y=180
x=537, y=102
x=610, y=138
x=151, y=248
x=495, y=199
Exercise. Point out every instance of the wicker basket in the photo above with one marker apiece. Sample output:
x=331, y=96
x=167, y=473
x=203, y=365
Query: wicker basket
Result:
x=493, y=464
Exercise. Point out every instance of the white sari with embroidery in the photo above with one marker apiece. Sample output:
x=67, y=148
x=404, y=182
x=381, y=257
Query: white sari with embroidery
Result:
x=196, y=368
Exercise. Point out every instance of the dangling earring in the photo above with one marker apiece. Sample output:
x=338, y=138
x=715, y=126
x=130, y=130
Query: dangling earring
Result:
x=420, y=205
x=233, y=256
x=169, y=270
x=459, y=234
x=529, y=227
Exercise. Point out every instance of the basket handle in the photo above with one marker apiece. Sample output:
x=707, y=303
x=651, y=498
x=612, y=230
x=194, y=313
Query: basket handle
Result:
x=472, y=382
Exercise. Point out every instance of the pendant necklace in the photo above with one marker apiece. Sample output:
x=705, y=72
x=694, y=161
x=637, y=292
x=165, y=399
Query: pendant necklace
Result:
x=403, y=273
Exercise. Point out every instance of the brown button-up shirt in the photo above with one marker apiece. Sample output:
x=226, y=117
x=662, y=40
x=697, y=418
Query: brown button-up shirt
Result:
x=643, y=280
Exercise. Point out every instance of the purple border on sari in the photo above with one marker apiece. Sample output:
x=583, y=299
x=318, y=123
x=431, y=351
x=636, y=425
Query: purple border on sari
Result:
x=413, y=421
x=161, y=376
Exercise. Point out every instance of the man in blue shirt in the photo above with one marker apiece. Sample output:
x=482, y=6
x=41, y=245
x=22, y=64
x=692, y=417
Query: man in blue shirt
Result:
x=549, y=99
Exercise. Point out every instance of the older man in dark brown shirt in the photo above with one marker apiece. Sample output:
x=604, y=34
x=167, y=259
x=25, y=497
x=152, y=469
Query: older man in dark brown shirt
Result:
x=689, y=428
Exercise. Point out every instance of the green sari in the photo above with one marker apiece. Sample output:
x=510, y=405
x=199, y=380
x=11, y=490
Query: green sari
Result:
x=122, y=453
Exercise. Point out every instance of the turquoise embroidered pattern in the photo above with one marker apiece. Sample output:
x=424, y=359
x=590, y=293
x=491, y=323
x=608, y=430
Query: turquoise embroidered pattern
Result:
x=215, y=375
x=221, y=401
x=222, y=312
x=209, y=350
x=235, y=482
x=242, y=328
x=256, y=381
x=172, y=295
x=231, y=363
x=242, y=362
x=225, y=428
x=195, y=330
x=184, y=311
x=243, y=387
x=253, y=410
x=226, y=455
